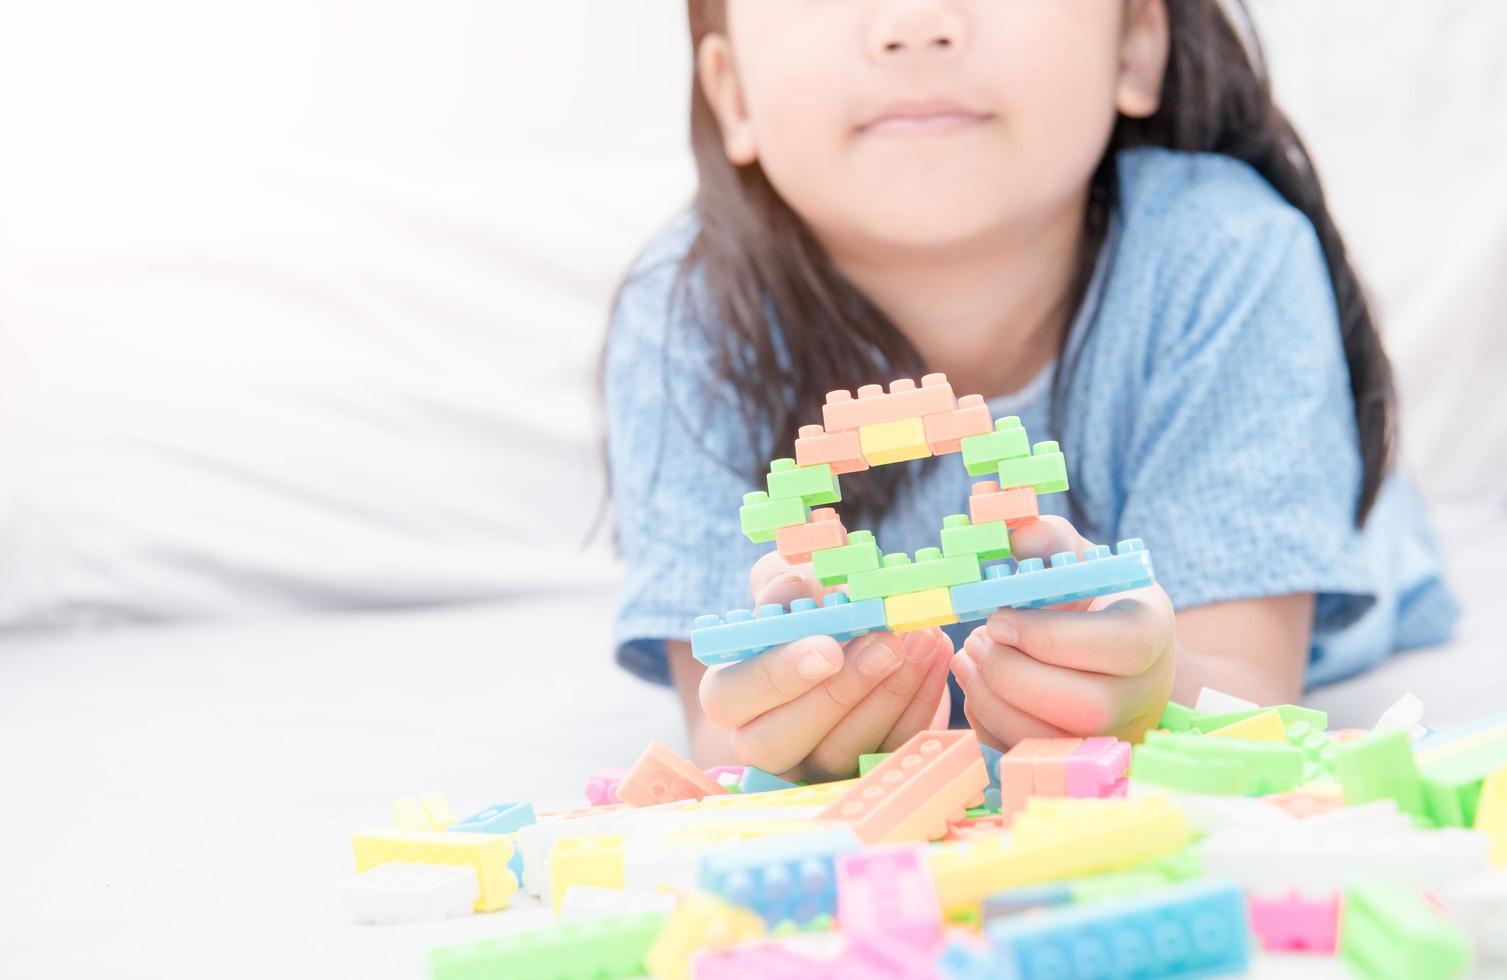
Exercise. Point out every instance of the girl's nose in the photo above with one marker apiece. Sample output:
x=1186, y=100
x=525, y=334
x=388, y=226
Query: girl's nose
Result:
x=912, y=26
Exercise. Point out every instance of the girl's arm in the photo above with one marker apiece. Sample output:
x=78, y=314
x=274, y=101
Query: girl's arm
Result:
x=1256, y=649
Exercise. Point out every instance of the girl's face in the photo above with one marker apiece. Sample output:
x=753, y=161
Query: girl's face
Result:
x=929, y=122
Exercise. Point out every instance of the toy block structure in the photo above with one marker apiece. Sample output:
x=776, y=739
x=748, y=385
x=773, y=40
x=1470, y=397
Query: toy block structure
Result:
x=887, y=891
x=822, y=531
x=569, y=950
x=1068, y=579
x=945, y=431
x=1294, y=923
x=874, y=407
x=393, y=893
x=1391, y=932
x=487, y=854
x=912, y=796
x=1201, y=764
x=504, y=818
x=699, y=922
x=747, y=633
x=781, y=878
x=596, y=861
x=1014, y=507
x=661, y=776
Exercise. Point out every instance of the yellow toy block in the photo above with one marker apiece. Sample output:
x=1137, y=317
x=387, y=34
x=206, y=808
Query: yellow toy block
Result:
x=437, y=812
x=1491, y=814
x=737, y=830
x=585, y=861
x=487, y=853
x=918, y=610
x=1265, y=727
x=701, y=921
x=408, y=815
x=1055, y=839
x=893, y=442
x=817, y=795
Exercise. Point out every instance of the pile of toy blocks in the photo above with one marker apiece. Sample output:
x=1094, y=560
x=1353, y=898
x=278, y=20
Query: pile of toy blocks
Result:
x=1231, y=827
x=967, y=577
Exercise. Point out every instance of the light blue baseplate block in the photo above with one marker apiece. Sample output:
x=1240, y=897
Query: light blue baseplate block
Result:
x=745, y=633
x=780, y=878
x=1032, y=583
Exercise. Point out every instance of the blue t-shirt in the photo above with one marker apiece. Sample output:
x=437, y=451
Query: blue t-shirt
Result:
x=1207, y=411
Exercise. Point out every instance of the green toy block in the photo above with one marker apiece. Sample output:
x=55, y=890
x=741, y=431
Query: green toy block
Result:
x=983, y=453
x=814, y=485
x=789, y=927
x=761, y=517
x=1225, y=766
x=987, y=542
x=1291, y=714
x=900, y=575
x=1380, y=766
x=869, y=760
x=1177, y=717
x=1318, y=748
x=588, y=949
x=1452, y=776
x=832, y=566
x=1389, y=932
x=1045, y=469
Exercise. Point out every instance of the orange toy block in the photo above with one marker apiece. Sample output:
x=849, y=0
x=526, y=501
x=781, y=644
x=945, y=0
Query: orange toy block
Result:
x=1015, y=506
x=945, y=432
x=839, y=450
x=823, y=530
x=924, y=785
x=1033, y=767
x=661, y=776
x=843, y=412
x=976, y=827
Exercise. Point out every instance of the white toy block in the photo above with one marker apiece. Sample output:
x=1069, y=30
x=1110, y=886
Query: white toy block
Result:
x=1212, y=702
x=1207, y=814
x=1406, y=714
x=392, y=893
x=1373, y=816
x=536, y=839
x=594, y=902
x=1321, y=861
x=1480, y=905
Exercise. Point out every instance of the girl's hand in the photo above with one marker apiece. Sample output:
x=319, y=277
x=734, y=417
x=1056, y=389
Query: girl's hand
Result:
x=809, y=709
x=1102, y=667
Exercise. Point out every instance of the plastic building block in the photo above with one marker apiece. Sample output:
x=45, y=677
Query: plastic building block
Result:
x=912, y=796
x=1180, y=866
x=900, y=575
x=1264, y=727
x=816, y=485
x=1304, y=803
x=504, y=818
x=982, y=454
x=815, y=795
x=429, y=812
x=963, y=959
x=487, y=853
x=408, y=815
x=1292, y=922
x=779, y=877
x=1183, y=930
x=1491, y=814
x=1033, y=767
x=661, y=776
x=1453, y=774
x=761, y=517
x=1016, y=506
x=971, y=828
x=585, y=861
x=985, y=541
x=894, y=442
x=756, y=780
x=1215, y=702
x=601, y=788
x=1216, y=765
x=918, y=610
x=1380, y=767
x=839, y=450
x=1045, y=469
x=877, y=956
x=1290, y=714
x=869, y=760
x=536, y=840
x=888, y=891
x=874, y=407
x=1177, y=717
x=1407, y=714
x=1098, y=768
x=1318, y=747
x=1480, y=906
x=1392, y=932
x=1033, y=585
x=1320, y=860
x=757, y=961
x=946, y=431
x=392, y=893
x=832, y=566
x=824, y=530
x=699, y=922
x=585, y=949
x=748, y=633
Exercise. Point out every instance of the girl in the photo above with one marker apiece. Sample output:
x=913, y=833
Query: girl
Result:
x=1090, y=212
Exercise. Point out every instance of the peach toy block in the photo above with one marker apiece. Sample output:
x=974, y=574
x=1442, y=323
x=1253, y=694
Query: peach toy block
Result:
x=1033, y=767
x=925, y=784
x=1015, y=506
x=661, y=776
x=1098, y=768
x=946, y=431
x=893, y=442
x=975, y=827
x=1302, y=803
x=839, y=450
x=823, y=529
x=873, y=407
x=1292, y=922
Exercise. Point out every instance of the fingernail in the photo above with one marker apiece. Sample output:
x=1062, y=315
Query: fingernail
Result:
x=964, y=669
x=976, y=643
x=814, y=665
x=877, y=659
x=918, y=645
x=1002, y=631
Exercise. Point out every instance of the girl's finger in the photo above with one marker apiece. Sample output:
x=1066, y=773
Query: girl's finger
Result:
x=1120, y=635
x=997, y=722
x=1047, y=536
x=769, y=567
x=931, y=708
x=737, y=693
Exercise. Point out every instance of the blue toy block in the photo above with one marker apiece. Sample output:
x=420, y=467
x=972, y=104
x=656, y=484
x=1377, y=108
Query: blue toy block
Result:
x=515, y=863
x=756, y=780
x=504, y=818
x=1027, y=898
x=1067, y=580
x=788, y=878
x=1182, y=930
x=964, y=960
x=745, y=634
x=991, y=762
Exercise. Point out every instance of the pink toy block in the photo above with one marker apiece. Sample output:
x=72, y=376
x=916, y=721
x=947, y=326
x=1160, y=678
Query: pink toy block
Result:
x=1015, y=506
x=601, y=788
x=887, y=891
x=945, y=432
x=1292, y=922
x=823, y=529
x=661, y=776
x=843, y=412
x=1098, y=768
x=1033, y=767
x=839, y=450
x=925, y=784
x=875, y=956
x=716, y=773
x=758, y=961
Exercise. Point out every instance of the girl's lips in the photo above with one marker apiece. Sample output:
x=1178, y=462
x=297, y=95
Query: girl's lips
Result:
x=929, y=124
